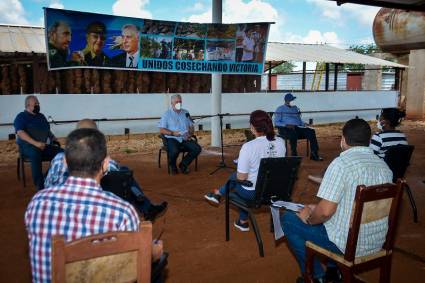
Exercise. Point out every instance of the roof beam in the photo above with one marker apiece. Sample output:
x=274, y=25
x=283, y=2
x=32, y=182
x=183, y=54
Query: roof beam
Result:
x=418, y=6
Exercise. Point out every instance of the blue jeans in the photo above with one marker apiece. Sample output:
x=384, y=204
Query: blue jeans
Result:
x=243, y=193
x=137, y=191
x=297, y=233
x=36, y=156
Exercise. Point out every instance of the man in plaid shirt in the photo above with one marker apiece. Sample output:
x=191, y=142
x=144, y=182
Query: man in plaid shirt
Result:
x=58, y=173
x=79, y=207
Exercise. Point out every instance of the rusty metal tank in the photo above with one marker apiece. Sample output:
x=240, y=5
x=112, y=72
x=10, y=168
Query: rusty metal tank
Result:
x=398, y=31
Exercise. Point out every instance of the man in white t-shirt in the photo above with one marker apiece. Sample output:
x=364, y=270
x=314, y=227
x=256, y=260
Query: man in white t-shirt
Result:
x=265, y=145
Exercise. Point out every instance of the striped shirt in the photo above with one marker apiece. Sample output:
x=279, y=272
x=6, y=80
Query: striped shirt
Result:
x=355, y=166
x=381, y=141
x=76, y=209
x=58, y=171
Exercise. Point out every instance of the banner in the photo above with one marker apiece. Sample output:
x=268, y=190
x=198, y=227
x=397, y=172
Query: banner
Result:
x=87, y=40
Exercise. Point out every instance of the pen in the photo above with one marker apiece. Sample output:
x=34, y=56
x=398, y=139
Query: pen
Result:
x=159, y=237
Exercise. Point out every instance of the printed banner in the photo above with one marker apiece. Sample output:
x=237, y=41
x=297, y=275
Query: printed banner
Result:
x=87, y=40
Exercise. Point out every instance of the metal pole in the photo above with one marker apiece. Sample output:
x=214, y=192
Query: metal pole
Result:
x=216, y=84
x=270, y=76
x=327, y=77
x=336, y=77
x=304, y=74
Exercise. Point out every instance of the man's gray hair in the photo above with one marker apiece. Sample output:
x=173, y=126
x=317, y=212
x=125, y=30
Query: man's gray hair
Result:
x=174, y=97
x=133, y=27
x=28, y=98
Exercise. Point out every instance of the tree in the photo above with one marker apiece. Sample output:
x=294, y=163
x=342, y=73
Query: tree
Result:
x=284, y=68
x=364, y=49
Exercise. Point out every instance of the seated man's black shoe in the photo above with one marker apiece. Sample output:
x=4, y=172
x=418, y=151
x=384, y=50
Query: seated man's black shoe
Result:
x=315, y=280
x=183, y=168
x=315, y=156
x=333, y=275
x=173, y=170
x=155, y=211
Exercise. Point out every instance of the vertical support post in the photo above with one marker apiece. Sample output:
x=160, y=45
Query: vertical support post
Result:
x=35, y=74
x=336, y=77
x=327, y=77
x=270, y=76
x=304, y=74
x=397, y=79
x=216, y=84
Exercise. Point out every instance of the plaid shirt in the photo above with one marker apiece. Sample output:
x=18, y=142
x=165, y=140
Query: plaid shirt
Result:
x=58, y=171
x=355, y=166
x=76, y=209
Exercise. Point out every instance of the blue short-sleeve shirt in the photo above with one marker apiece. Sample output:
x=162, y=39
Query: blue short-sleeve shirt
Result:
x=35, y=125
x=176, y=121
x=287, y=115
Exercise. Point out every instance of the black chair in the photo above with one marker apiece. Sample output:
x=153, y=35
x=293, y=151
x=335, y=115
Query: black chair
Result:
x=20, y=166
x=275, y=181
x=286, y=139
x=118, y=183
x=165, y=148
x=398, y=159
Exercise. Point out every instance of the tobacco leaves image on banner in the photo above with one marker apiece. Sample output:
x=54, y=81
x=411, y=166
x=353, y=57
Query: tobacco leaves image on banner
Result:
x=87, y=40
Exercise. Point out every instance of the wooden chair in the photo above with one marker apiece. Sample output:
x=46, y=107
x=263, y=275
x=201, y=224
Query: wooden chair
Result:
x=275, y=180
x=164, y=147
x=397, y=158
x=109, y=257
x=370, y=204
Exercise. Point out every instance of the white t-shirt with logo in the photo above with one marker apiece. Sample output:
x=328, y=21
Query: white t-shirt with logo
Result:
x=252, y=152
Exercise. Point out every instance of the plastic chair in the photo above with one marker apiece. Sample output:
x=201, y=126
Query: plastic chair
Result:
x=165, y=148
x=370, y=204
x=109, y=257
x=275, y=180
x=398, y=159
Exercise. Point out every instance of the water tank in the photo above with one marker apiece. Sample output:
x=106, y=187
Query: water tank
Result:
x=398, y=31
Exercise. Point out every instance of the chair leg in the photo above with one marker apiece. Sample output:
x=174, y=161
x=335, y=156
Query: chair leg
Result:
x=23, y=172
x=286, y=147
x=385, y=270
x=168, y=164
x=196, y=163
x=159, y=158
x=412, y=203
x=18, y=168
x=257, y=233
x=227, y=213
x=308, y=274
x=347, y=274
x=307, y=147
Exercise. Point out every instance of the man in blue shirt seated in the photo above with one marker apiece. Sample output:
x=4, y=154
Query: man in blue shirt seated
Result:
x=35, y=138
x=287, y=119
x=177, y=127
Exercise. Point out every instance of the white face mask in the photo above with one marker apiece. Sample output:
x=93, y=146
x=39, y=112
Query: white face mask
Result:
x=178, y=106
x=379, y=125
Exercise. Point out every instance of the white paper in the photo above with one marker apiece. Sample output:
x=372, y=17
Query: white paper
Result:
x=278, y=232
x=288, y=205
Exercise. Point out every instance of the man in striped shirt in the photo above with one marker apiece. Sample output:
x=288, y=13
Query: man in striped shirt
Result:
x=388, y=136
x=79, y=207
x=327, y=223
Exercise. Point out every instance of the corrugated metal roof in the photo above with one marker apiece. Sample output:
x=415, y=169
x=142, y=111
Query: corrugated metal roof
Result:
x=25, y=39
x=29, y=39
x=296, y=52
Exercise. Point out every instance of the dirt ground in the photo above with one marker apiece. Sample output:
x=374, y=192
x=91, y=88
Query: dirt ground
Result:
x=194, y=230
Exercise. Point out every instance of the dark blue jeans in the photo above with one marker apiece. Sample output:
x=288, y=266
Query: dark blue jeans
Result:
x=137, y=191
x=295, y=133
x=174, y=148
x=297, y=233
x=36, y=156
x=243, y=193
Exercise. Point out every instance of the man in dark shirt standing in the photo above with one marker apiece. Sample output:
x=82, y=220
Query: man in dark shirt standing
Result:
x=34, y=133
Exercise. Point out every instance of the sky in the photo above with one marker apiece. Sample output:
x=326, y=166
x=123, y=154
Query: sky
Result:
x=296, y=21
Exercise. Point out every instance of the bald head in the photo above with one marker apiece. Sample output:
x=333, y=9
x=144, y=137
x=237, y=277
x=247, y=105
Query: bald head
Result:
x=86, y=124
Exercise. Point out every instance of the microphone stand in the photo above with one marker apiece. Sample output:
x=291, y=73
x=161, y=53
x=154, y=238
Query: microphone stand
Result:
x=221, y=164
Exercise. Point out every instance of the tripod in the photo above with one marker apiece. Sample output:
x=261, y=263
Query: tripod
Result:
x=221, y=164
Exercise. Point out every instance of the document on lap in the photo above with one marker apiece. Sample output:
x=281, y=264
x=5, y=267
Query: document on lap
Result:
x=276, y=205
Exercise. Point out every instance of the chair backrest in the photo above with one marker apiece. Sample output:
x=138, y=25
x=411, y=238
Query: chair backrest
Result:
x=276, y=179
x=118, y=183
x=397, y=158
x=370, y=204
x=109, y=257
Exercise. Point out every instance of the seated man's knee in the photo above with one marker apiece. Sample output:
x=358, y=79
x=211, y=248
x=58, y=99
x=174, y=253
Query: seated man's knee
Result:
x=288, y=219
